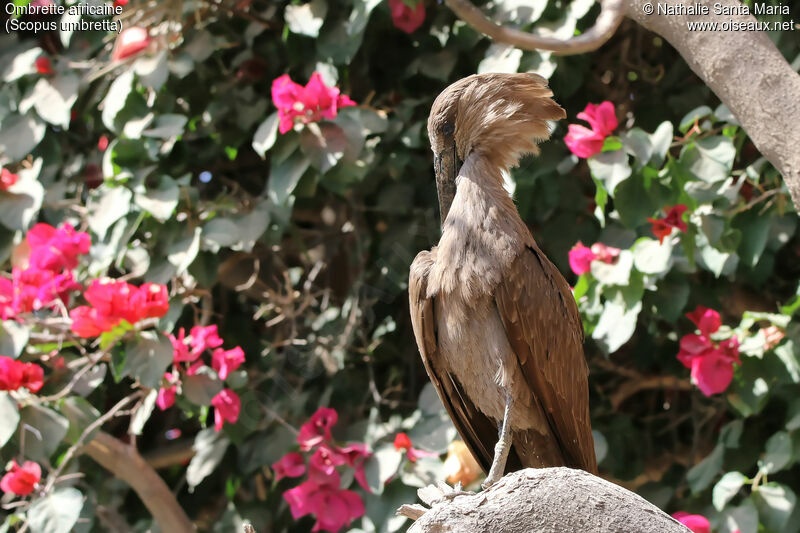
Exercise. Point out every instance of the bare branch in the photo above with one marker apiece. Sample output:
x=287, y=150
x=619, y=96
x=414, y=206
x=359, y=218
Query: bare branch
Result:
x=604, y=27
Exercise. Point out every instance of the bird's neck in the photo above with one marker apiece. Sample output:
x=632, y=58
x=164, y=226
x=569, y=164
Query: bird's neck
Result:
x=483, y=232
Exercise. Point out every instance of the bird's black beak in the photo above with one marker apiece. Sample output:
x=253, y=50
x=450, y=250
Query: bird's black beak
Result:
x=446, y=164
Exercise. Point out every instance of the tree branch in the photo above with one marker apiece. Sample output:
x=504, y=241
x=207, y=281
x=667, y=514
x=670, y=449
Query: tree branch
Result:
x=604, y=27
x=545, y=500
x=748, y=73
x=126, y=463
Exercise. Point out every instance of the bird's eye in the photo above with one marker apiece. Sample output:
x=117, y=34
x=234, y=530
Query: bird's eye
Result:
x=448, y=129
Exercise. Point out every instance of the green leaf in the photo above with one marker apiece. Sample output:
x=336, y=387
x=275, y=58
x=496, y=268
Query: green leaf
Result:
x=182, y=253
x=697, y=113
x=726, y=488
x=152, y=70
x=755, y=229
x=500, y=58
x=283, y=176
x=159, y=202
x=19, y=135
x=709, y=159
x=324, y=143
x=53, y=98
x=21, y=60
x=115, y=99
x=433, y=433
x=80, y=414
x=703, y=473
x=51, y=427
x=616, y=324
x=775, y=503
x=637, y=143
x=57, y=512
x=743, y=518
x=661, y=140
x=617, y=273
x=266, y=134
x=306, y=19
x=106, y=206
x=20, y=205
x=652, y=257
x=209, y=447
x=611, y=168
x=381, y=466
x=167, y=126
x=787, y=353
x=202, y=386
x=778, y=453
x=9, y=417
x=147, y=358
x=13, y=337
x=143, y=412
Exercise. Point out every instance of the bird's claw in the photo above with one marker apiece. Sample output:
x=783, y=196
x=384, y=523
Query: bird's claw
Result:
x=432, y=495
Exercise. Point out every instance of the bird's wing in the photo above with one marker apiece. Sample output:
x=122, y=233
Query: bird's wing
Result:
x=477, y=431
x=544, y=328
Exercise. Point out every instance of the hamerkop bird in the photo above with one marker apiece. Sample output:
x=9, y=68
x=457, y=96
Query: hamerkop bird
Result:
x=495, y=322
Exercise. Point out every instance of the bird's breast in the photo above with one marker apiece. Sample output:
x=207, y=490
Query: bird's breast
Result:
x=475, y=349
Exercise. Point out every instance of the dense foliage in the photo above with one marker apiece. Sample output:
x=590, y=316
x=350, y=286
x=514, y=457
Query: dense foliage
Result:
x=215, y=211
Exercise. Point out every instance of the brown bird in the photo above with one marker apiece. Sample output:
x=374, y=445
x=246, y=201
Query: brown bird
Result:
x=495, y=322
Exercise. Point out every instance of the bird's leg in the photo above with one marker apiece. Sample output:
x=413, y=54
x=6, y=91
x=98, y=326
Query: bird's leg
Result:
x=501, y=449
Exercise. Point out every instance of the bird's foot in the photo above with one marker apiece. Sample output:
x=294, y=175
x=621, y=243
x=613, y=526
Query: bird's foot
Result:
x=432, y=495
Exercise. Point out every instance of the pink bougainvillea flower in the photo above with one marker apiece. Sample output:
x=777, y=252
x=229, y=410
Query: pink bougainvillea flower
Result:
x=43, y=65
x=32, y=289
x=580, y=258
x=290, y=465
x=56, y=249
x=102, y=143
x=662, y=227
x=85, y=322
x=7, y=179
x=16, y=374
x=403, y=442
x=317, y=429
x=114, y=300
x=604, y=253
x=180, y=349
x=405, y=17
x=356, y=454
x=32, y=377
x=226, y=361
x=585, y=142
x=130, y=42
x=325, y=459
x=695, y=522
x=333, y=507
x=21, y=480
x=204, y=337
x=120, y=3
x=711, y=363
x=166, y=394
x=311, y=103
x=227, y=406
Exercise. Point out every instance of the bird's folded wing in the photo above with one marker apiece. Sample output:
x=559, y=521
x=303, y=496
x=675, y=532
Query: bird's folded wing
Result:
x=544, y=328
x=475, y=429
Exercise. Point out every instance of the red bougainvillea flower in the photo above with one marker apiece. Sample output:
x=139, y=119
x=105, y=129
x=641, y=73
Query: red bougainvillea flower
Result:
x=7, y=179
x=290, y=465
x=43, y=65
x=662, y=227
x=332, y=506
x=102, y=143
x=317, y=429
x=227, y=406
x=711, y=363
x=56, y=249
x=16, y=374
x=306, y=104
x=154, y=300
x=403, y=442
x=585, y=142
x=120, y=3
x=21, y=480
x=695, y=522
x=130, y=42
x=405, y=17
x=226, y=361
x=114, y=301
